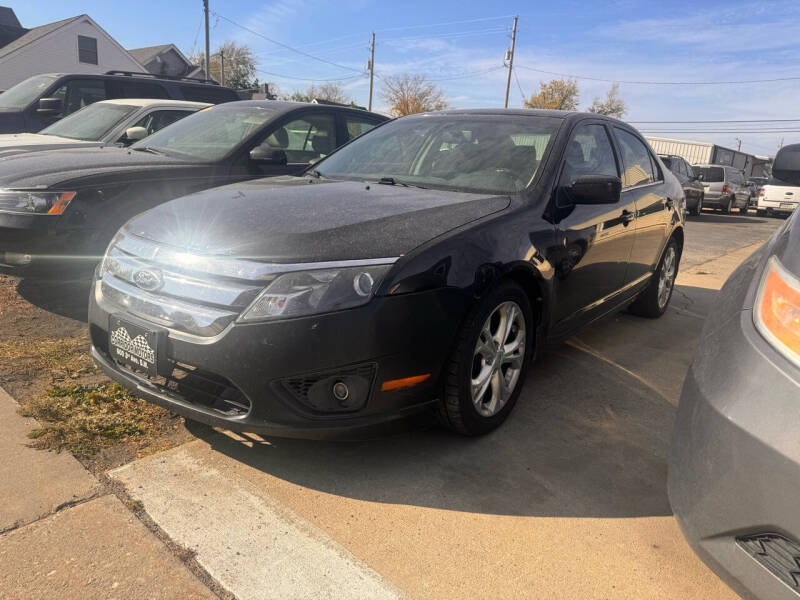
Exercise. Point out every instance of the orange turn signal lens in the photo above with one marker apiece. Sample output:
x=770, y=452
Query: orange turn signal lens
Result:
x=61, y=203
x=777, y=310
x=406, y=382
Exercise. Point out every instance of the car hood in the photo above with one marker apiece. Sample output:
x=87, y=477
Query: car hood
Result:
x=54, y=167
x=14, y=143
x=293, y=220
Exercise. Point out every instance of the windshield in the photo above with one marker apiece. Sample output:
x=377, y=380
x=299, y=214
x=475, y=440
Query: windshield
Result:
x=209, y=134
x=710, y=174
x=25, y=92
x=466, y=154
x=92, y=122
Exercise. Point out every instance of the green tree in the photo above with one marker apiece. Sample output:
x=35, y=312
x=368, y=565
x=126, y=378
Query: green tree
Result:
x=558, y=94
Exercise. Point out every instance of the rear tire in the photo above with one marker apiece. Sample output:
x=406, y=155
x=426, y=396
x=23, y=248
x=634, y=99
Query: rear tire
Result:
x=484, y=374
x=760, y=212
x=654, y=300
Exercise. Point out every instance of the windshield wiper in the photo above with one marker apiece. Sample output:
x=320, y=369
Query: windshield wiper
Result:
x=147, y=149
x=393, y=181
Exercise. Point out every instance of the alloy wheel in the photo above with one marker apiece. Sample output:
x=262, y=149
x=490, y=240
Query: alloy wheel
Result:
x=498, y=358
x=666, y=277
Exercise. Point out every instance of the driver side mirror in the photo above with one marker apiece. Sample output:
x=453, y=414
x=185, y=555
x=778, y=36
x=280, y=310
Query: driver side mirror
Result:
x=594, y=189
x=268, y=156
x=50, y=106
x=134, y=134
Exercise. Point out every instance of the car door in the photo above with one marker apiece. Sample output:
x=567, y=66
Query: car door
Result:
x=643, y=186
x=594, y=242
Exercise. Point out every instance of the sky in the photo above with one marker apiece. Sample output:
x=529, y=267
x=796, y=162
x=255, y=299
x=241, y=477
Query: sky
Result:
x=675, y=48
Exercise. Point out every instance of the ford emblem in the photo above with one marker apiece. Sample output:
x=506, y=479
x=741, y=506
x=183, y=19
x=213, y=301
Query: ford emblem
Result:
x=150, y=280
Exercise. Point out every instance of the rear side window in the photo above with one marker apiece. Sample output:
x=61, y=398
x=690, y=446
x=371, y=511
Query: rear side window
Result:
x=710, y=174
x=638, y=168
x=136, y=89
x=357, y=126
x=208, y=93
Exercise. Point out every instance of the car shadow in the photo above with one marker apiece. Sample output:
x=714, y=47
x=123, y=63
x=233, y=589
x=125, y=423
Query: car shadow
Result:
x=710, y=217
x=589, y=436
x=65, y=294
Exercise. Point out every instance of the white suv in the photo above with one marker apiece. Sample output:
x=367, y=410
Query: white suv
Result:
x=777, y=198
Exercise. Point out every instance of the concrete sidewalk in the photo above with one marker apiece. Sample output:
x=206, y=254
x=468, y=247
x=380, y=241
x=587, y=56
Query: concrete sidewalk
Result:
x=62, y=535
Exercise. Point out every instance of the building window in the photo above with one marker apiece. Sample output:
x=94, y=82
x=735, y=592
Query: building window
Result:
x=87, y=50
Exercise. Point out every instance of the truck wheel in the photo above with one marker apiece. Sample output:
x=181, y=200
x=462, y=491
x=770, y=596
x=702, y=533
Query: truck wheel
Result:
x=653, y=301
x=484, y=374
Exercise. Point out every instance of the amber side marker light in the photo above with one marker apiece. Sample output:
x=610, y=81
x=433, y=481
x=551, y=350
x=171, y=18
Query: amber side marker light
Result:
x=61, y=203
x=406, y=382
x=777, y=312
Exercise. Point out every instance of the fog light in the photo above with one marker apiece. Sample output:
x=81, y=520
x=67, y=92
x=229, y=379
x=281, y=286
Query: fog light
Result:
x=340, y=391
x=17, y=259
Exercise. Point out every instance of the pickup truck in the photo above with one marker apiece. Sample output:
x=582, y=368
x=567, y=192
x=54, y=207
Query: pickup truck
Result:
x=777, y=197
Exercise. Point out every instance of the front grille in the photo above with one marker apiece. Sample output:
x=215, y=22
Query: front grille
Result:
x=777, y=553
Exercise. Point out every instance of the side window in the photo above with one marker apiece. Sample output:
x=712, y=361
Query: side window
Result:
x=87, y=50
x=589, y=152
x=305, y=139
x=136, y=89
x=208, y=93
x=77, y=93
x=158, y=119
x=681, y=167
x=689, y=171
x=357, y=126
x=638, y=168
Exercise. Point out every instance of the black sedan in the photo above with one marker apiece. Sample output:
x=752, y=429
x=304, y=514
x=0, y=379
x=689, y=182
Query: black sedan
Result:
x=422, y=266
x=67, y=204
x=734, y=474
x=692, y=188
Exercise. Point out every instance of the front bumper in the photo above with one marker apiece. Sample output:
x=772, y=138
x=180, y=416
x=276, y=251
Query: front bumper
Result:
x=391, y=338
x=39, y=240
x=734, y=468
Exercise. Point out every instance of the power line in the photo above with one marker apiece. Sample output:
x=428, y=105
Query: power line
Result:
x=522, y=94
x=445, y=23
x=454, y=34
x=571, y=76
x=280, y=76
x=286, y=46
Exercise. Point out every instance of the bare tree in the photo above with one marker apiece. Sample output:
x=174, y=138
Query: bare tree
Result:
x=240, y=64
x=408, y=94
x=558, y=94
x=613, y=105
x=331, y=91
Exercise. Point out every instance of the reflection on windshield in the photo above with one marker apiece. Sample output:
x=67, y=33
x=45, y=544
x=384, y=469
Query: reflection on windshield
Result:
x=25, y=92
x=209, y=134
x=467, y=154
x=90, y=123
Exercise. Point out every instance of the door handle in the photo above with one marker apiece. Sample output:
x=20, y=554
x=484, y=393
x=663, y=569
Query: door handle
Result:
x=627, y=216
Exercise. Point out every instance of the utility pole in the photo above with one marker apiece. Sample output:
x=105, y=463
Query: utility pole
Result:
x=221, y=67
x=739, y=147
x=371, y=66
x=511, y=60
x=208, y=49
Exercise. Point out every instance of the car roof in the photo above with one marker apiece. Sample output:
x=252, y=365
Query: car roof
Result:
x=155, y=101
x=281, y=107
x=143, y=77
x=567, y=115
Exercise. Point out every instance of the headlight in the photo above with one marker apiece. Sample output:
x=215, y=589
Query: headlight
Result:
x=777, y=310
x=34, y=202
x=310, y=292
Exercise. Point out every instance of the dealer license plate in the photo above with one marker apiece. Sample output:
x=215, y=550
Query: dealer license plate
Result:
x=133, y=346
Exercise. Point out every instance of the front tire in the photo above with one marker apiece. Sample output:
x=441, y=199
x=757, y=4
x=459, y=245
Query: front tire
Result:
x=698, y=207
x=653, y=302
x=485, y=372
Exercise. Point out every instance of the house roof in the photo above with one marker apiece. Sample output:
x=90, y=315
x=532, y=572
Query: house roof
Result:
x=34, y=34
x=148, y=53
x=8, y=18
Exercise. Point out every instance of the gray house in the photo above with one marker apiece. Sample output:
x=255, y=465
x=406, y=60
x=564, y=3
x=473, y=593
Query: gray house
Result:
x=167, y=60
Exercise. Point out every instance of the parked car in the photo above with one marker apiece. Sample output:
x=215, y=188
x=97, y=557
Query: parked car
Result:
x=777, y=198
x=69, y=203
x=421, y=266
x=41, y=100
x=689, y=181
x=723, y=188
x=755, y=184
x=103, y=123
x=735, y=458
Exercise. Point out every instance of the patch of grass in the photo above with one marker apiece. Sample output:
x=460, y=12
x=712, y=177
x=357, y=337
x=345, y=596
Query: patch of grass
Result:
x=84, y=419
x=63, y=358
